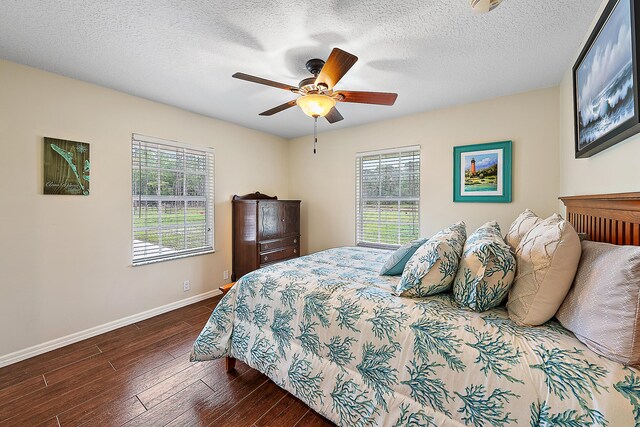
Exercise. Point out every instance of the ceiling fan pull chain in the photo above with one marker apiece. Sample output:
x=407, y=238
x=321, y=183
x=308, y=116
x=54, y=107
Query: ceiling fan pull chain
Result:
x=315, y=133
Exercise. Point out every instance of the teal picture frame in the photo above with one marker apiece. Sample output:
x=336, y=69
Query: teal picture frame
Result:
x=482, y=173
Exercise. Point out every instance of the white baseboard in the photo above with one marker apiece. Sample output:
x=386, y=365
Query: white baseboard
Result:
x=19, y=355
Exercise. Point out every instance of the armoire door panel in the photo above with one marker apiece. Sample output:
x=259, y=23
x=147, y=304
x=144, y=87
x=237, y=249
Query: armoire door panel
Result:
x=290, y=218
x=270, y=221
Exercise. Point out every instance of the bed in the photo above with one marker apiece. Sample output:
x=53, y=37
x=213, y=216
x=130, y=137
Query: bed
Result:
x=327, y=328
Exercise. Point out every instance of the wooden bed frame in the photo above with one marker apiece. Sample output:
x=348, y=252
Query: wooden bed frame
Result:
x=609, y=218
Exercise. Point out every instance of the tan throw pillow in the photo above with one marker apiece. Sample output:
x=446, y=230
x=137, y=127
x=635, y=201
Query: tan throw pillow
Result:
x=546, y=259
x=602, y=308
x=521, y=226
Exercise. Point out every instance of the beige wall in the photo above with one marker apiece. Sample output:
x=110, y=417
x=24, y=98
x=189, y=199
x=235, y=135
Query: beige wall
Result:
x=65, y=261
x=611, y=171
x=326, y=181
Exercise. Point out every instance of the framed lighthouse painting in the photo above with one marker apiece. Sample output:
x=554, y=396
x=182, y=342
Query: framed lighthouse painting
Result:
x=482, y=173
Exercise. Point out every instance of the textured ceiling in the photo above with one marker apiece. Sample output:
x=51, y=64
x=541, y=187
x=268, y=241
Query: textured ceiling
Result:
x=433, y=53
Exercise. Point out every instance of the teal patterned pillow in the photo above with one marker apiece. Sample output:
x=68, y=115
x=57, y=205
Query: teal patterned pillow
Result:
x=486, y=270
x=394, y=265
x=433, y=266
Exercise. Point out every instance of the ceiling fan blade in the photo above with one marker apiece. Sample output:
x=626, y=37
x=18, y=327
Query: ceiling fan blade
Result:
x=337, y=65
x=279, y=108
x=333, y=115
x=379, y=98
x=260, y=80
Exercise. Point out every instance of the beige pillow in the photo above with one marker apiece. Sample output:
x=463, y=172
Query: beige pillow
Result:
x=602, y=308
x=521, y=226
x=546, y=259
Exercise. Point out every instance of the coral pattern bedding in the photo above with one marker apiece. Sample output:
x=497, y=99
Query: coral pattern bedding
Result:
x=327, y=328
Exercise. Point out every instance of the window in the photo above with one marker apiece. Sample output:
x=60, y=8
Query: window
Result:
x=388, y=197
x=172, y=189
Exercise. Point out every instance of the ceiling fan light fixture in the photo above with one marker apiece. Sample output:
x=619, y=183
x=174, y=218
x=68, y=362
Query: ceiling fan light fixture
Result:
x=484, y=6
x=316, y=105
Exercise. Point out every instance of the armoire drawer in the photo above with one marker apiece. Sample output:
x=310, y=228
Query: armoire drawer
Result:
x=279, y=243
x=280, y=254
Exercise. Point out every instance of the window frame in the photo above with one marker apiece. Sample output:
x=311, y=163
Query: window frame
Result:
x=359, y=202
x=140, y=141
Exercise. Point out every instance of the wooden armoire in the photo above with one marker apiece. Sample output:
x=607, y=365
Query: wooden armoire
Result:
x=265, y=230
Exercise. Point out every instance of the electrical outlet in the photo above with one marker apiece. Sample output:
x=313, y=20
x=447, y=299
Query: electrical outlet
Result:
x=225, y=274
x=186, y=286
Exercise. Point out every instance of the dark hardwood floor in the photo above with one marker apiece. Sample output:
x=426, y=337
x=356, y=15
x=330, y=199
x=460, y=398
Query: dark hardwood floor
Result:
x=140, y=375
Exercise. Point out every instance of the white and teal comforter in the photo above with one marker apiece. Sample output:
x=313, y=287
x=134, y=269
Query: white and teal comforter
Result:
x=327, y=328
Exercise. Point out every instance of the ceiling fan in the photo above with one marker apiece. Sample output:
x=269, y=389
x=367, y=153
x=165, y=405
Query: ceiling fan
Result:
x=318, y=96
x=484, y=6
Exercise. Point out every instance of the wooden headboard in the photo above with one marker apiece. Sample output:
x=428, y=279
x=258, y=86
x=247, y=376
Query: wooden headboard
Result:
x=610, y=218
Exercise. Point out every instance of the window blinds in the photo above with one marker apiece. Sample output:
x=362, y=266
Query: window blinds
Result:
x=388, y=197
x=172, y=199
